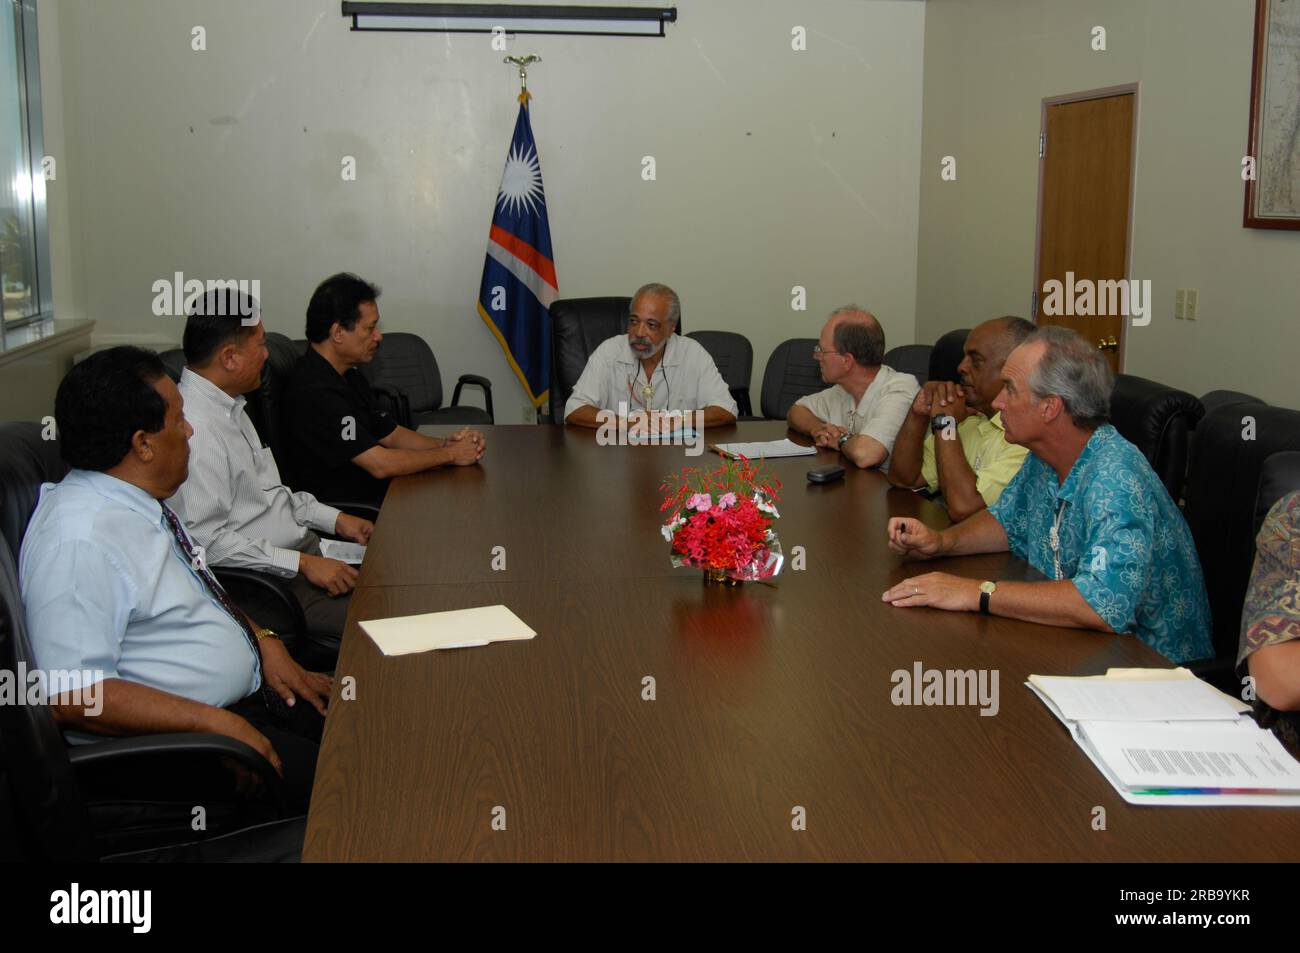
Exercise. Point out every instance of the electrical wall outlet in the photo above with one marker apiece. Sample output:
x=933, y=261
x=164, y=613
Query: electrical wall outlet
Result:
x=1193, y=299
x=1180, y=304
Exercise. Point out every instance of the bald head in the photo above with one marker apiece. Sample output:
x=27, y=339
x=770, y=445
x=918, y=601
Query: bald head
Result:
x=854, y=331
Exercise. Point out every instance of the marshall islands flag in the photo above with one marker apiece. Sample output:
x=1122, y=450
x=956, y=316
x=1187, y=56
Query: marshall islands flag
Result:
x=519, y=281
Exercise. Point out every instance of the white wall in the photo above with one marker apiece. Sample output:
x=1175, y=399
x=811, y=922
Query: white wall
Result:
x=989, y=64
x=775, y=168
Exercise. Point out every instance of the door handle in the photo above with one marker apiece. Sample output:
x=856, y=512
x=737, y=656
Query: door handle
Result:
x=1108, y=344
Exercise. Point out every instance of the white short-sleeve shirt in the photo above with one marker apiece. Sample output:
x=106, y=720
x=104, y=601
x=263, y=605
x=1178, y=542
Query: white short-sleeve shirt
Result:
x=686, y=379
x=879, y=414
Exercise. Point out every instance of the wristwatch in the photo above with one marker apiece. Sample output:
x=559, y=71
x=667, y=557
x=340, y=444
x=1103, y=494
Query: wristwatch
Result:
x=939, y=423
x=986, y=589
x=844, y=438
x=264, y=633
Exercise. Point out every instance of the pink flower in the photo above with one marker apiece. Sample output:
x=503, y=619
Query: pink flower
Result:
x=700, y=502
x=728, y=499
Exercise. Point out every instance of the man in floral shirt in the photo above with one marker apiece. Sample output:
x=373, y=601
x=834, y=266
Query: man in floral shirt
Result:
x=1086, y=510
x=1270, y=622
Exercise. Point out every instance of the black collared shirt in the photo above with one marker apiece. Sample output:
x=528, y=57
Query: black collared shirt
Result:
x=329, y=419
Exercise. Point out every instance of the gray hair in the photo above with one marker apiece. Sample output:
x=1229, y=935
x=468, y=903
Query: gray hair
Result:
x=1075, y=371
x=674, y=302
x=859, y=335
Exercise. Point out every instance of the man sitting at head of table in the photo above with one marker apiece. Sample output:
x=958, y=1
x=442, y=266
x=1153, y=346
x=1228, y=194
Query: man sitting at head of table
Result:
x=234, y=502
x=116, y=592
x=1270, y=622
x=651, y=369
x=952, y=440
x=861, y=413
x=1086, y=510
x=346, y=450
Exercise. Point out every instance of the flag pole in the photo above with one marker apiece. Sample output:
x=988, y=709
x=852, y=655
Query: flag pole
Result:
x=523, y=62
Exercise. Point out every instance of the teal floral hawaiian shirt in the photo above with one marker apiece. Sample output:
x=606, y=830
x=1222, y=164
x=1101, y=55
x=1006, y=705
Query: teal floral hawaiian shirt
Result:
x=1119, y=538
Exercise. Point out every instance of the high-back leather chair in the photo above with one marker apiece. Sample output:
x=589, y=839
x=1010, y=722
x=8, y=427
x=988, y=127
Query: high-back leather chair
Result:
x=947, y=355
x=1279, y=476
x=1222, y=500
x=911, y=359
x=282, y=357
x=174, y=362
x=734, y=357
x=792, y=372
x=405, y=363
x=578, y=327
x=26, y=462
x=1157, y=420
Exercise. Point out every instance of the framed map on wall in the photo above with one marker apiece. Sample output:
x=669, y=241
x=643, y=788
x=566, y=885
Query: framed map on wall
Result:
x=1273, y=191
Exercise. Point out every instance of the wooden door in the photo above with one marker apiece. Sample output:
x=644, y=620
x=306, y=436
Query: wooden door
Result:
x=1085, y=178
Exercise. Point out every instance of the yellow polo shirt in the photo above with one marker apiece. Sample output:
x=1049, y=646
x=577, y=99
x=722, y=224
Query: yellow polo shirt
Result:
x=984, y=444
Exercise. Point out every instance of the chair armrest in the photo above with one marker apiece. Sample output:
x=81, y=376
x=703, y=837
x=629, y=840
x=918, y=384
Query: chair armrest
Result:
x=474, y=380
x=114, y=750
x=401, y=405
x=277, y=588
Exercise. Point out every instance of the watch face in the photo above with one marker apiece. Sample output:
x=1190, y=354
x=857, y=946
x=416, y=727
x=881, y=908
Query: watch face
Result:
x=988, y=587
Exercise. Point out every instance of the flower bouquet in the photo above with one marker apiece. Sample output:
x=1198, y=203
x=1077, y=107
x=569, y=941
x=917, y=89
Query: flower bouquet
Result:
x=720, y=521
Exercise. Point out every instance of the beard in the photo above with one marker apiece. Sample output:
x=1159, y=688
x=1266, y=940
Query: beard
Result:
x=653, y=348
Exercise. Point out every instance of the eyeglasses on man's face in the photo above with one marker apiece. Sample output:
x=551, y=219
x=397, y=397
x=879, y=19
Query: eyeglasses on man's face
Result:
x=818, y=350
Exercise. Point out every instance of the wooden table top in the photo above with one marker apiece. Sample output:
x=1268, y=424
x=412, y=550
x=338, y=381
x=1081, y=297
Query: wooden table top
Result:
x=767, y=698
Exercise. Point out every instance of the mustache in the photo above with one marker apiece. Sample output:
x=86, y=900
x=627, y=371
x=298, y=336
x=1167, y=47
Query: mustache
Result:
x=645, y=341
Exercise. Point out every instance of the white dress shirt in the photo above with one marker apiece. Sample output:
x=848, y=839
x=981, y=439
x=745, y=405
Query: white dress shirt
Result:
x=234, y=503
x=880, y=413
x=109, y=591
x=686, y=379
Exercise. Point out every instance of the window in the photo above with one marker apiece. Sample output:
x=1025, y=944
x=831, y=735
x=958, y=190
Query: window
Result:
x=25, y=294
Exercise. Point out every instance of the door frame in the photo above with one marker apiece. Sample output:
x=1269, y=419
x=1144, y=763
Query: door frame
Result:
x=1104, y=92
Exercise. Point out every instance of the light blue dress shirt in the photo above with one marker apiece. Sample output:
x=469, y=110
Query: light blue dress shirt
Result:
x=108, y=590
x=1122, y=542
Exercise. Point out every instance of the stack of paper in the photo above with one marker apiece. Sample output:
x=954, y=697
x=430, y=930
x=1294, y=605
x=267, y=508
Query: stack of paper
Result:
x=458, y=629
x=769, y=449
x=1162, y=736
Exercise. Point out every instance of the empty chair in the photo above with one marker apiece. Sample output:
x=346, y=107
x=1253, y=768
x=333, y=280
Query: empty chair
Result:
x=947, y=355
x=405, y=363
x=578, y=327
x=1157, y=420
x=734, y=357
x=792, y=372
x=1226, y=398
x=911, y=359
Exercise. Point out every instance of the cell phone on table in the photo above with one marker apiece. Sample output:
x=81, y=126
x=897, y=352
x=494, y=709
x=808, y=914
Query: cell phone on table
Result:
x=827, y=474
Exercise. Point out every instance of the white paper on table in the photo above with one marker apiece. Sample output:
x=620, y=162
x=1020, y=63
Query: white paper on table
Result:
x=1134, y=700
x=350, y=553
x=680, y=435
x=1236, y=755
x=769, y=449
x=459, y=628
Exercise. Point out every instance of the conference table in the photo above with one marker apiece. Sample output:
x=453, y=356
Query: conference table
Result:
x=659, y=717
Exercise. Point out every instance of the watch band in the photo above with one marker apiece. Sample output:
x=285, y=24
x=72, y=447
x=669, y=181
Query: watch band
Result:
x=939, y=423
x=984, y=602
x=844, y=438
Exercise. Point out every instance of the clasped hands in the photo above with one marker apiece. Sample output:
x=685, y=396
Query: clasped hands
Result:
x=828, y=436
x=941, y=399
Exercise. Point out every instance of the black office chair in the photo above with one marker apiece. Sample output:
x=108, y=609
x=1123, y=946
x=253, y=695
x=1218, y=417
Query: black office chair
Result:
x=174, y=362
x=1157, y=420
x=46, y=781
x=792, y=372
x=1279, y=476
x=578, y=327
x=734, y=357
x=1223, y=497
x=911, y=359
x=405, y=363
x=947, y=355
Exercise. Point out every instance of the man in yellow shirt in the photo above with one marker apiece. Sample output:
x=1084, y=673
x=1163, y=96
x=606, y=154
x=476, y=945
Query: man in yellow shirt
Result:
x=952, y=440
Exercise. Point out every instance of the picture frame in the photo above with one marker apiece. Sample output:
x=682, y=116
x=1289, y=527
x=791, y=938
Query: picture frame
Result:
x=1273, y=190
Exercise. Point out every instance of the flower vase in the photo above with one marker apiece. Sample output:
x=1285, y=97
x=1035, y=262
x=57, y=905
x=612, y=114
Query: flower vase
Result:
x=719, y=577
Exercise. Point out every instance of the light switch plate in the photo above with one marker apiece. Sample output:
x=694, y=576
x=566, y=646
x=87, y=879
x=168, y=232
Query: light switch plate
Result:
x=1193, y=300
x=1180, y=304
